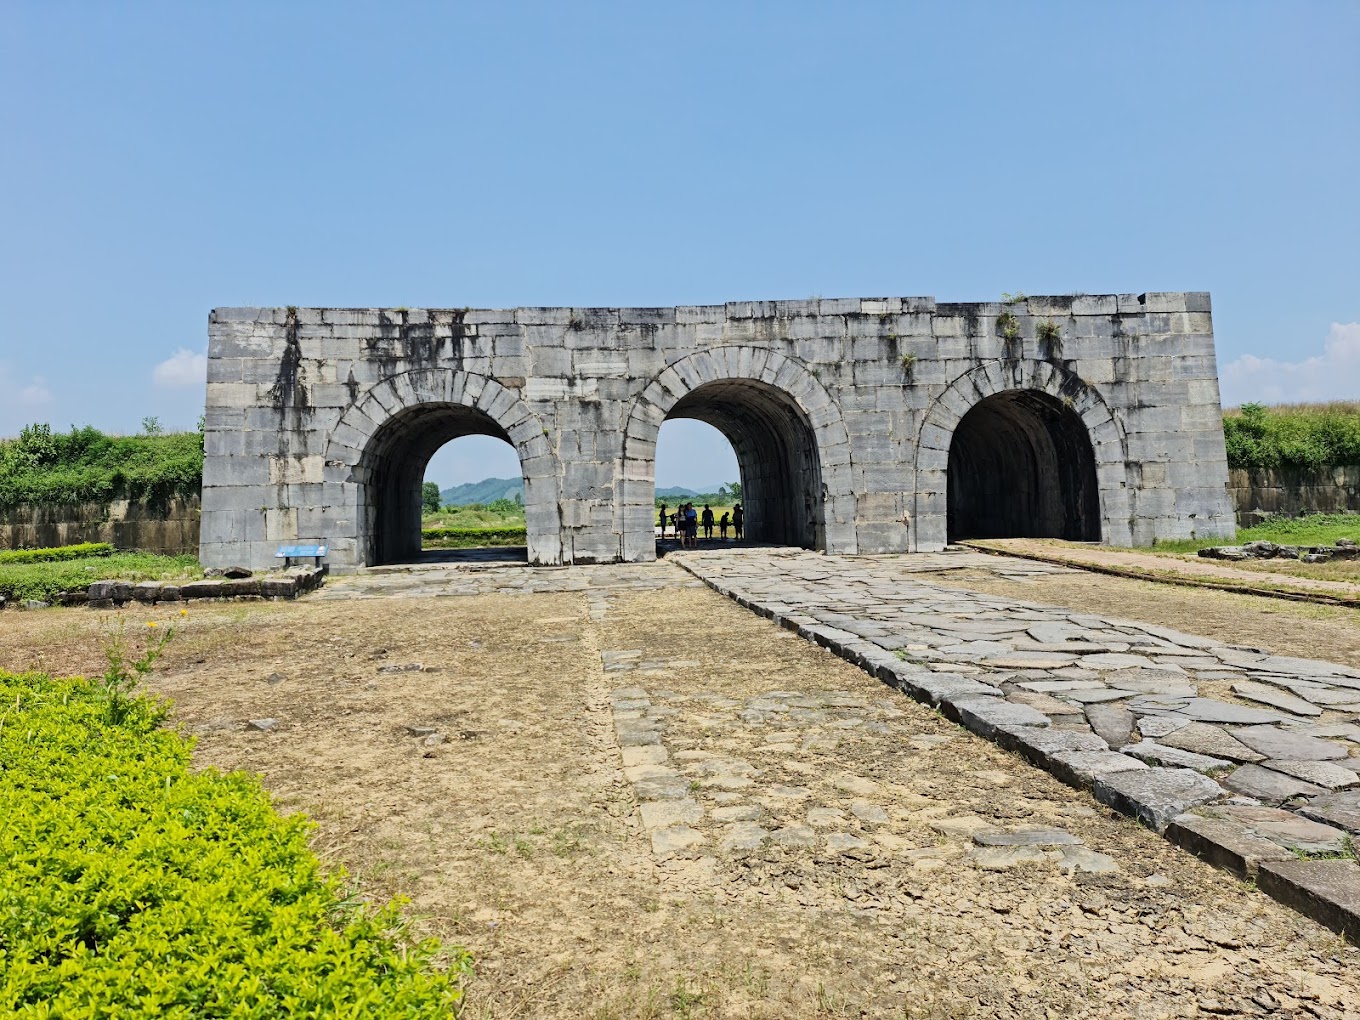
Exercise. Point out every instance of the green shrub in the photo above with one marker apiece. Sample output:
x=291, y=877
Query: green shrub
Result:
x=1300, y=436
x=85, y=465
x=57, y=553
x=132, y=886
x=42, y=581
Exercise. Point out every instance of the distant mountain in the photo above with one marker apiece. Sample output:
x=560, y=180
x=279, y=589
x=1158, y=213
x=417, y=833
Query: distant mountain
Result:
x=488, y=490
x=676, y=490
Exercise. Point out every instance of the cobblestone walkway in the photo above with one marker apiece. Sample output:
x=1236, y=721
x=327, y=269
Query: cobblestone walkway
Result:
x=1249, y=759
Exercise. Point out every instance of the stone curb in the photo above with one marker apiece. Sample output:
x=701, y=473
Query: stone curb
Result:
x=1326, y=891
x=286, y=584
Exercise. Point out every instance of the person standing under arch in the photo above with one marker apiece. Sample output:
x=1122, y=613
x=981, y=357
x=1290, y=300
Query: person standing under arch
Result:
x=706, y=518
x=661, y=520
x=738, y=521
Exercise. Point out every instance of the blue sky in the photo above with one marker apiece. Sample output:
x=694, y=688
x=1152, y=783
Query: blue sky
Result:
x=157, y=160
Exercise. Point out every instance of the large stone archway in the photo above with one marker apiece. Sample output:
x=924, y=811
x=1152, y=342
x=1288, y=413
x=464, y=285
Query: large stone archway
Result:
x=1027, y=419
x=842, y=410
x=788, y=435
x=383, y=442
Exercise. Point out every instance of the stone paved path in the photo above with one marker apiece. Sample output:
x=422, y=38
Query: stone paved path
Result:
x=1157, y=722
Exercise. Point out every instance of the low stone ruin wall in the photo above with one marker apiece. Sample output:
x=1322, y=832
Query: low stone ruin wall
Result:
x=1345, y=549
x=284, y=584
x=1293, y=491
x=169, y=528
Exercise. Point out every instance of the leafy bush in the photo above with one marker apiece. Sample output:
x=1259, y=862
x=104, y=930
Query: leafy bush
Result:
x=57, y=553
x=43, y=581
x=131, y=886
x=85, y=465
x=1301, y=436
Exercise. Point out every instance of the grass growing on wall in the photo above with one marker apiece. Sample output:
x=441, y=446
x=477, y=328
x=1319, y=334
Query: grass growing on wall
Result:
x=20, y=582
x=88, y=466
x=1309, y=436
x=134, y=886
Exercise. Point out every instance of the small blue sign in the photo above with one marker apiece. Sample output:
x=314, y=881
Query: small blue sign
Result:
x=290, y=552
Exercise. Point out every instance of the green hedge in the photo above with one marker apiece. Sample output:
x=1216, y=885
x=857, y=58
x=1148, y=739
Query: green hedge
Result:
x=57, y=553
x=132, y=886
x=87, y=466
x=489, y=535
x=1300, y=436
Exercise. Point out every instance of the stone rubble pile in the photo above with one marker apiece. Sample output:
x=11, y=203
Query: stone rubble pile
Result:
x=1345, y=549
x=1177, y=730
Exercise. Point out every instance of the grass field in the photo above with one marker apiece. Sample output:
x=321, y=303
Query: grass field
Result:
x=20, y=582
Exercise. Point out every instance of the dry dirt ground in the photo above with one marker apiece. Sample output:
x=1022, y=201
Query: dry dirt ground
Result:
x=519, y=836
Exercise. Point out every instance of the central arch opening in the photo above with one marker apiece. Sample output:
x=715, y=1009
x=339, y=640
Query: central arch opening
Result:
x=776, y=452
x=392, y=475
x=1021, y=466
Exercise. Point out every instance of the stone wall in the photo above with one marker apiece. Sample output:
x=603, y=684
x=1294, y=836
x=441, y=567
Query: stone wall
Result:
x=171, y=528
x=841, y=412
x=1294, y=491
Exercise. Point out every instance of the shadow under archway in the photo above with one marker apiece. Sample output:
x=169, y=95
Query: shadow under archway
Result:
x=1021, y=465
x=776, y=451
x=392, y=472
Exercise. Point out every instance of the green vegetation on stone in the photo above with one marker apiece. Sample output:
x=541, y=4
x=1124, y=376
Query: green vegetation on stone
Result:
x=1310, y=530
x=57, y=553
x=87, y=466
x=1310, y=436
x=20, y=582
x=133, y=886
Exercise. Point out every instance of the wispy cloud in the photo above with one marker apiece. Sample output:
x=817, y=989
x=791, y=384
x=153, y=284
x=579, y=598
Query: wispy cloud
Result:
x=183, y=368
x=30, y=393
x=20, y=399
x=1332, y=375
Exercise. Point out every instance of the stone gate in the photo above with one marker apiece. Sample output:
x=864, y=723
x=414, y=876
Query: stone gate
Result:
x=860, y=425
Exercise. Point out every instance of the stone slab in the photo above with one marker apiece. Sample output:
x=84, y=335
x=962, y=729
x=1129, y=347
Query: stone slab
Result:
x=1267, y=785
x=1328, y=891
x=1214, y=711
x=1326, y=774
x=1112, y=723
x=1082, y=768
x=1339, y=809
x=1161, y=754
x=1224, y=843
x=1286, y=746
x=1290, y=830
x=1024, y=837
x=674, y=840
x=984, y=715
x=1275, y=698
x=1207, y=739
x=1156, y=796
